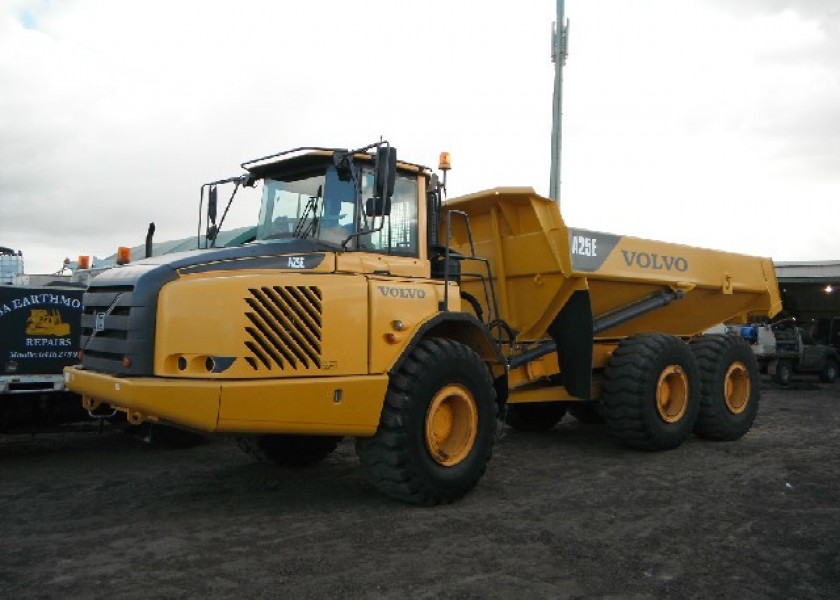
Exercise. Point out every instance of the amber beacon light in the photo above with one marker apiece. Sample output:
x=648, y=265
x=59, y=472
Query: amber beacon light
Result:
x=123, y=255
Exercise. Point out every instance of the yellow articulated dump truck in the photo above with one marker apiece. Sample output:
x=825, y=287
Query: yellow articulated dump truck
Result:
x=369, y=306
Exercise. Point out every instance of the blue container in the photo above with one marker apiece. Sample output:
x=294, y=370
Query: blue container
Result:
x=750, y=333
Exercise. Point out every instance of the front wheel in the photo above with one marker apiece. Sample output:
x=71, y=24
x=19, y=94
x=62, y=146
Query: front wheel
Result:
x=437, y=427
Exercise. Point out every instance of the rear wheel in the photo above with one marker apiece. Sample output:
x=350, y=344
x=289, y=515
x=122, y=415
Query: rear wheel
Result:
x=784, y=370
x=437, y=427
x=729, y=386
x=288, y=450
x=534, y=416
x=650, y=392
x=829, y=371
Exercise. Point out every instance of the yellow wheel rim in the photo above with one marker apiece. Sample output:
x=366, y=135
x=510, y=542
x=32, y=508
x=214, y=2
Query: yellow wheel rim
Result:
x=672, y=394
x=451, y=425
x=737, y=387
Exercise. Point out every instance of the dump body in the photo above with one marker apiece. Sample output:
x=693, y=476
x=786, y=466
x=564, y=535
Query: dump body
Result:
x=537, y=262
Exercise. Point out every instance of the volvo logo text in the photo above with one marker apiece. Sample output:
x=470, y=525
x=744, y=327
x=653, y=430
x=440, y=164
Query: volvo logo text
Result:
x=395, y=292
x=655, y=262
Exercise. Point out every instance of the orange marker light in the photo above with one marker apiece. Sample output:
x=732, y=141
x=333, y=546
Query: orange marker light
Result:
x=123, y=255
x=445, y=163
x=84, y=262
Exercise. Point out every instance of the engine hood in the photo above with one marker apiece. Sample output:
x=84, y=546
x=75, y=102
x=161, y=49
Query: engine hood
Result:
x=261, y=255
x=120, y=304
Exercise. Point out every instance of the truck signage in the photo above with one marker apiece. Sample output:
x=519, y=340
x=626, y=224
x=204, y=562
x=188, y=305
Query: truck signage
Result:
x=657, y=262
x=39, y=329
x=590, y=249
x=294, y=261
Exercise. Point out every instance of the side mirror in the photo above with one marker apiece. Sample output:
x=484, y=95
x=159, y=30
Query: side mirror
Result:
x=386, y=172
x=211, y=204
x=247, y=180
x=343, y=162
x=378, y=207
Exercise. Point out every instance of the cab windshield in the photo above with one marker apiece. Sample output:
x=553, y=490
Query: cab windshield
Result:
x=320, y=206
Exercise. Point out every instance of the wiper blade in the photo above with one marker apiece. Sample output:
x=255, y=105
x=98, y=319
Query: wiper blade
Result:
x=304, y=229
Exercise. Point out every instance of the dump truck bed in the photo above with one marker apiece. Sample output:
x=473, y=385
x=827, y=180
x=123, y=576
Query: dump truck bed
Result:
x=537, y=263
x=719, y=286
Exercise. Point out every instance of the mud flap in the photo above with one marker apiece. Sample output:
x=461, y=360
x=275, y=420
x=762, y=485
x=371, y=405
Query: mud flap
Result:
x=572, y=332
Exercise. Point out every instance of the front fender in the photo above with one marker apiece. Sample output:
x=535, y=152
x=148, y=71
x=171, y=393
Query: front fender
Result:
x=461, y=327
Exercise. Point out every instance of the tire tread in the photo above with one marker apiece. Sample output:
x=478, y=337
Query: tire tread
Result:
x=386, y=457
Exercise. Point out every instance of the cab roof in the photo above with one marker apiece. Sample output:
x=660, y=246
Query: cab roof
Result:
x=300, y=160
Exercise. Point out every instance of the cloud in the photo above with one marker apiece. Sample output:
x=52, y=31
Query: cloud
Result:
x=117, y=112
x=114, y=113
x=793, y=76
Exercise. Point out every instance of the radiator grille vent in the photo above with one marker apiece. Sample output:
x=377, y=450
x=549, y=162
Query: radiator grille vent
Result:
x=285, y=330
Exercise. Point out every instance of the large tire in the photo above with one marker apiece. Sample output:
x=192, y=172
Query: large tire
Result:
x=651, y=395
x=534, y=416
x=729, y=386
x=288, y=450
x=437, y=427
x=784, y=371
x=829, y=371
x=586, y=412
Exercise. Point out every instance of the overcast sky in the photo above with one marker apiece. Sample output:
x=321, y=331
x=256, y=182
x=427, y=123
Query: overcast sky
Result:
x=707, y=122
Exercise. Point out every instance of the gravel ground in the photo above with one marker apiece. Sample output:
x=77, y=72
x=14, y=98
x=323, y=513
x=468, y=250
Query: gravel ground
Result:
x=563, y=514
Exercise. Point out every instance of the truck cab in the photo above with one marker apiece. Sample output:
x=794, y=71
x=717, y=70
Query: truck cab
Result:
x=316, y=203
x=321, y=214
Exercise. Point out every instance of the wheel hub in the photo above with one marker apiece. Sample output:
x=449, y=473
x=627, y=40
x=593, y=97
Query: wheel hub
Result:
x=672, y=394
x=451, y=425
x=737, y=387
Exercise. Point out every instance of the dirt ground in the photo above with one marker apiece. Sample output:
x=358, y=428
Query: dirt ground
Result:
x=563, y=514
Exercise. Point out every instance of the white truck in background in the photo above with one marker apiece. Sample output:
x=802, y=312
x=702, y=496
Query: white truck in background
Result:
x=783, y=348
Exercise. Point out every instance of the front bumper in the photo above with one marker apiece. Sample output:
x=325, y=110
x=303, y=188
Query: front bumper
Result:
x=313, y=405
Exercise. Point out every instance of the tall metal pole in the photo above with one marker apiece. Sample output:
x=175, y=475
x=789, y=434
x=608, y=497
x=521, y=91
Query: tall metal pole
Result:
x=559, y=40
